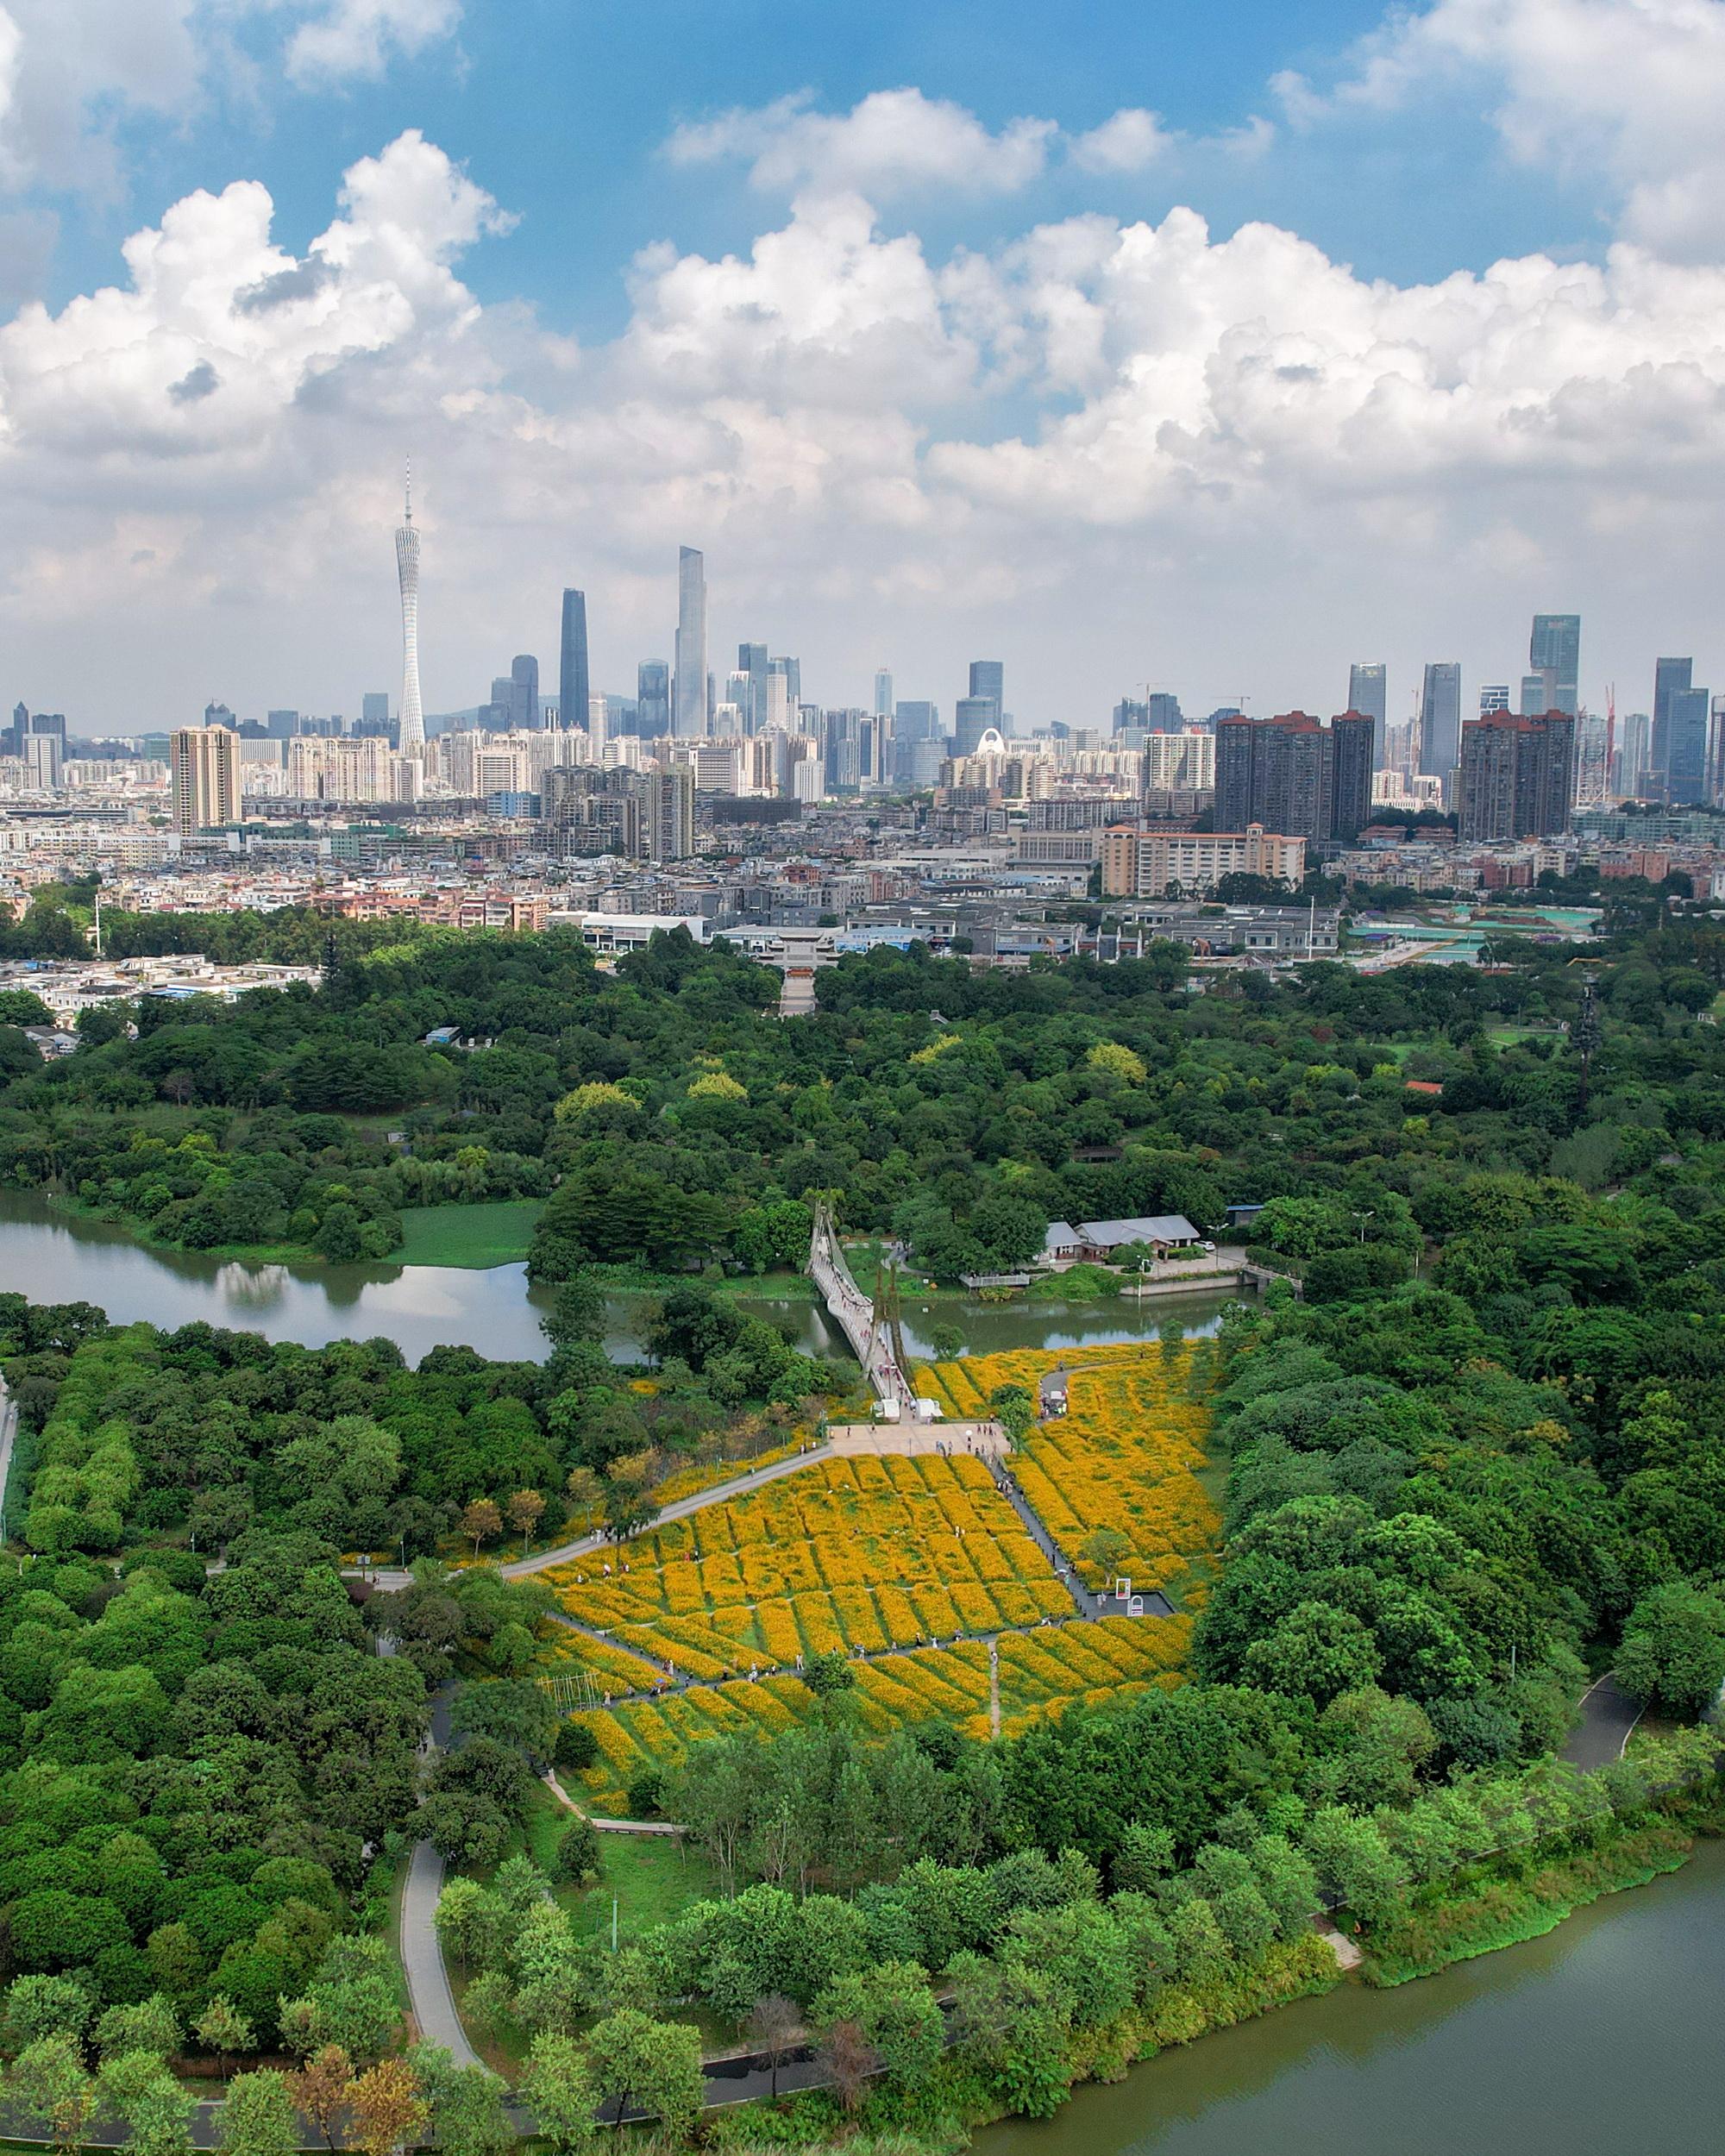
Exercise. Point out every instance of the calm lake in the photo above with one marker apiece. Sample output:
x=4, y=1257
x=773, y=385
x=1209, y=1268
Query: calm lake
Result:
x=56, y=1257
x=1595, y=2040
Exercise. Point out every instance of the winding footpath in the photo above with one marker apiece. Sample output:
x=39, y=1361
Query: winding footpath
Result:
x=1607, y=1717
x=8, y=1431
x=428, y=1995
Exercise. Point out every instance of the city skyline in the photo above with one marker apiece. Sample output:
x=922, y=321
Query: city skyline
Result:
x=1089, y=350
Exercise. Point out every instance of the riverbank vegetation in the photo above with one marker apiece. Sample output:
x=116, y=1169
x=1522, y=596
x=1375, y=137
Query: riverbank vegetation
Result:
x=1477, y=1465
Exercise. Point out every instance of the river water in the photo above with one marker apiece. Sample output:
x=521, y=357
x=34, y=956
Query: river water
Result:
x=1597, y=2040
x=59, y=1258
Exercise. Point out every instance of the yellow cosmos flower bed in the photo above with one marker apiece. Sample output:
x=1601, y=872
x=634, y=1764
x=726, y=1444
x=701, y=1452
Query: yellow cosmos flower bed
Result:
x=694, y=1479
x=1078, y=1660
x=868, y=1552
x=613, y=1668
x=1041, y=1675
x=1125, y=1455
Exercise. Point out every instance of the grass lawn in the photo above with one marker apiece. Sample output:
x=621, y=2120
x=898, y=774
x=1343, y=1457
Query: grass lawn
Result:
x=473, y=1237
x=652, y=1876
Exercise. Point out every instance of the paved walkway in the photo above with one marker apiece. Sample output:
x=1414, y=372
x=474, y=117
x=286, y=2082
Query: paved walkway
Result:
x=428, y=1995
x=680, y=1508
x=1607, y=1716
x=909, y=1440
x=1087, y=1604
x=422, y=1958
x=8, y=1431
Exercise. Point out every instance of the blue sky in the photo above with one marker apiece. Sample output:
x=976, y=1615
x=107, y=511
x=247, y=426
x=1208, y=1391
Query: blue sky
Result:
x=903, y=313
x=561, y=108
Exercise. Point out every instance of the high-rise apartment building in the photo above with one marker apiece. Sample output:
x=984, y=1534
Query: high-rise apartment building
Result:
x=1291, y=775
x=407, y=575
x=204, y=767
x=1516, y=779
x=1554, y=650
x=1353, y=739
x=669, y=820
x=1180, y=762
x=575, y=689
x=1368, y=693
x=688, y=687
x=44, y=755
x=652, y=698
x=1440, y=720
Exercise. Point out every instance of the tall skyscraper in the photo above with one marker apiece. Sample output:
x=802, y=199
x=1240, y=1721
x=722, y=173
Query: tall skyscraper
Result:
x=407, y=574
x=1633, y=755
x=972, y=718
x=1554, y=649
x=1536, y=695
x=574, y=688
x=204, y=765
x=988, y=678
x=751, y=658
x=1685, y=766
x=524, y=692
x=1672, y=678
x=883, y=693
x=652, y=698
x=1440, y=720
x=689, y=688
x=1368, y=694
x=1161, y=712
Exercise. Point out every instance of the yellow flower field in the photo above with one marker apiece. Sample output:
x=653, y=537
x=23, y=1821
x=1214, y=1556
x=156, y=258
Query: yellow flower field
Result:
x=1040, y=1674
x=923, y=1554
x=857, y=1552
x=1125, y=1455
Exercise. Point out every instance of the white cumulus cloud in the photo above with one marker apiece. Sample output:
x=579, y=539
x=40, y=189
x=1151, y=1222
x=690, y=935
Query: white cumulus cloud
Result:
x=1091, y=444
x=358, y=38
x=1626, y=91
x=1129, y=141
x=893, y=141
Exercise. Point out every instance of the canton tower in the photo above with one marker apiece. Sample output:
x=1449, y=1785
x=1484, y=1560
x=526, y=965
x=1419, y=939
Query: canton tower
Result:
x=411, y=737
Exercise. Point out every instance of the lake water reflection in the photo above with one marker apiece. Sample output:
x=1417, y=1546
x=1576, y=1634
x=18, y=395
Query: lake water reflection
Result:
x=56, y=1257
